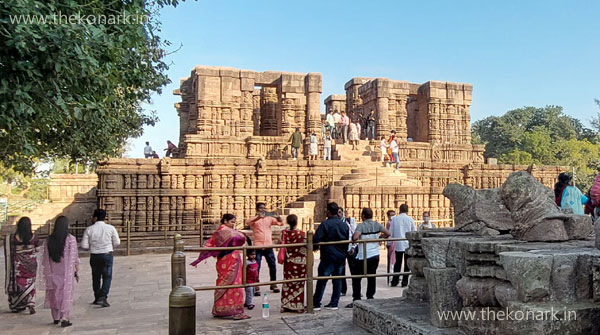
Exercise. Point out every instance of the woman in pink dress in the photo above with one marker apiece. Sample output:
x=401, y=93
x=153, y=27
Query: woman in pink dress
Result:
x=61, y=267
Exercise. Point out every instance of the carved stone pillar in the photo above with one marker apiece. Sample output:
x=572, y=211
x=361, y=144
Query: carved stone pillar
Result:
x=164, y=212
x=382, y=127
x=313, y=104
x=268, y=111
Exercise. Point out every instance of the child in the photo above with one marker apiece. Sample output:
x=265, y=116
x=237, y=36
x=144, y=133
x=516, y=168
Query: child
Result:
x=251, y=277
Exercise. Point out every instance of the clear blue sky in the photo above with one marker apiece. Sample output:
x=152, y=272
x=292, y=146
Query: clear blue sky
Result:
x=515, y=53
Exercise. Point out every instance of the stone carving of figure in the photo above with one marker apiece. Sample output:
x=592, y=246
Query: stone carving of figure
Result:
x=127, y=181
x=261, y=165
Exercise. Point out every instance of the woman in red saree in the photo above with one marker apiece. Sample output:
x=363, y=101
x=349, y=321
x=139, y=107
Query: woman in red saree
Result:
x=21, y=267
x=292, y=295
x=228, y=302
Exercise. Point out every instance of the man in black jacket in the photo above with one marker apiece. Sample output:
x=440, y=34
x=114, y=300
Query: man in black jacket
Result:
x=333, y=257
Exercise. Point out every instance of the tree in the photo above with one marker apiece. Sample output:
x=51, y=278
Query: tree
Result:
x=75, y=90
x=544, y=136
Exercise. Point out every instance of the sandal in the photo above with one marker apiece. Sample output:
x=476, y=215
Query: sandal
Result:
x=241, y=317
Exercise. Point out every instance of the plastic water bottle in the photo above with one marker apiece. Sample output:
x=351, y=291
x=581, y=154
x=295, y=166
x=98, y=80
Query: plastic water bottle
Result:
x=265, y=306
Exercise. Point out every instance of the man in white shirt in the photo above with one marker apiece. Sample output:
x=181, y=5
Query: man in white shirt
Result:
x=367, y=230
x=101, y=239
x=148, y=150
x=400, y=225
x=330, y=122
x=337, y=118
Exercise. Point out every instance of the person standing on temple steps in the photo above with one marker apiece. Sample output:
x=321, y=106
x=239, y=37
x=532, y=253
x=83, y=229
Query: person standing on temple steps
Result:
x=101, y=238
x=296, y=140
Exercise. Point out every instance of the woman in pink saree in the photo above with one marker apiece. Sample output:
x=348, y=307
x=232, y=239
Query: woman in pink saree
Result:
x=61, y=266
x=228, y=302
x=21, y=267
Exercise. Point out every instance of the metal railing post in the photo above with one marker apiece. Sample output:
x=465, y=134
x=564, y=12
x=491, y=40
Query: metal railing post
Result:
x=182, y=310
x=244, y=256
x=310, y=261
x=364, y=248
x=177, y=261
x=128, y=223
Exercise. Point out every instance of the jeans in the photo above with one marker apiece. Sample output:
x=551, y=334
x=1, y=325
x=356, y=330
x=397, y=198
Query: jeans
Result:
x=372, y=264
x=249, y=295
x=371, y=131
x=329, y=269
x=400, y=259
x=345, y=132
x=396, y=158
x=327, y=153
x=102, y=265
x=270, y=256
x=295, y=152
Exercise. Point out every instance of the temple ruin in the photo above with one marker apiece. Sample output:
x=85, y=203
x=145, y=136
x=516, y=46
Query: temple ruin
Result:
x=234, y=132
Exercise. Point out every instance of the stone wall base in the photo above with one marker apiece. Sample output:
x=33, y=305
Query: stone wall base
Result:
x=396, y=316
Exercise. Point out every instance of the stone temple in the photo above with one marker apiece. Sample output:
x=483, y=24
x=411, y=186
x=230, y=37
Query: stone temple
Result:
x=233, y=152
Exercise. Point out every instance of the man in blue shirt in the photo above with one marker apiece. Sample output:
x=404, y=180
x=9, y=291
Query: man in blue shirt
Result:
x=333, y=257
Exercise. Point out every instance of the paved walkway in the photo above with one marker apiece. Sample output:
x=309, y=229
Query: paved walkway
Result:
x=139, y=299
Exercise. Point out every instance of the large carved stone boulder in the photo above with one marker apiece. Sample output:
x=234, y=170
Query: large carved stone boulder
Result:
x=480, y=211
x=536, y=216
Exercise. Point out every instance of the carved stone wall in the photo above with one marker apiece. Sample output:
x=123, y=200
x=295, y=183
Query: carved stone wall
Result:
x=169, y=194
x=335, y=102
x=221, y=108
x=434, y=112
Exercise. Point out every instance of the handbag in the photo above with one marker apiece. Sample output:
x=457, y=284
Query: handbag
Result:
x=281, y=254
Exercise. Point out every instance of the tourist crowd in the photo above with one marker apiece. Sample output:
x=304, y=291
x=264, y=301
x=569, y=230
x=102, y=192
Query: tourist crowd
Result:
x=333, y=257
x=60, y=265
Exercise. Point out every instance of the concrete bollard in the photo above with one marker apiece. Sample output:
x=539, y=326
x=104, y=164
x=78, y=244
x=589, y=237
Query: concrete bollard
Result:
x=182, y=310
x=177, y=262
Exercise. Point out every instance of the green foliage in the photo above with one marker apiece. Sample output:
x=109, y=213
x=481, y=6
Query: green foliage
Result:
x=75, y=90
x=542, y=136
x=38, y=189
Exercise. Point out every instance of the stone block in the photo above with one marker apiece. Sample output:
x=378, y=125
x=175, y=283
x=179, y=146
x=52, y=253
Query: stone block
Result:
x=528, y=273
x=478, y=292
x=578, y=227
x=206, y=71
x=229, y=72
x=505, y=293
x=443, y=296
x=436, y=251
x=564, y=277
x=312, y=82
x=417, y=289
x=247, y=84
x=416, y=265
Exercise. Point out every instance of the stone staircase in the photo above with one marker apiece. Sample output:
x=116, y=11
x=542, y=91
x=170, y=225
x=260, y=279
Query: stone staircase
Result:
x=368, y=151
x=370, y=171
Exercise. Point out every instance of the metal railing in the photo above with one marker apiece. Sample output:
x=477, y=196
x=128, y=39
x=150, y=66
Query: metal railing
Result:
x=178, y=264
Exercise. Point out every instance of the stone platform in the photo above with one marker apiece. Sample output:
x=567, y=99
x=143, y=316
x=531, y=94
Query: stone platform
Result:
x=396, y=316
